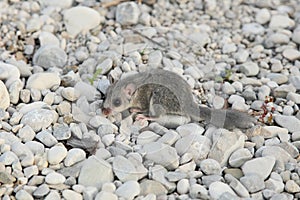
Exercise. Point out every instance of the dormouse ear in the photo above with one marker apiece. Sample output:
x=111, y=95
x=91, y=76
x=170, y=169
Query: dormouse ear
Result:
x=129, y=90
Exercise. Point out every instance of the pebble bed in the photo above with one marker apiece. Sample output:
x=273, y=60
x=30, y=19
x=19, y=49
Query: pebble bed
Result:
x=57, y=58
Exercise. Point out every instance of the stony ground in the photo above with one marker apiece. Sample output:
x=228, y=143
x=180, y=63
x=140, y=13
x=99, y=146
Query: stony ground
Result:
x=57, y=59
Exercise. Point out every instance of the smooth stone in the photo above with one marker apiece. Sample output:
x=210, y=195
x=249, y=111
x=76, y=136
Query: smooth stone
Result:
x=249, y=69
x=74, y=156
x=295, y=81
x=276, y=39
x=6, y=178
x=290, y=122
x=198, y=192
x=229, y=48
x=241, y=56
x=152, y=187
x=31, y=171
x=54, y=178
x=4, y=99
x=291, y=54
x=296, y=35
x=105, y=66
x=70, y=94
x=210, y=167
x=263, y=16
x=81, y=19
x=239, y=157
x=39, y=119
x=47, y=38
x=23, y=195
x=191, y=128
x=86, y=90
x=253, y=28
x=127, y=13
x=89, y=173
x=61, y=132
x=224, y=144
x=71, y=195
x=277, y=77
x=216, y=189
x=197, y=145
x=161, y=154
x=46, y=138
x=50, y=56
x=275, y=183
x=281, y=21
x=158, y=174
x=183, y=186
x=282, y=157
x=103, y=195
x=237, y=186
x=42, y=81
x=57, y=3
x=261, y=166
x=170, y=137
x=293, y=97
x=41, y=191
x=283, y=90
x=146, y=137
x=9, y=72
x=253, y=182
x=124, y=169
x=56, y=154
x=292, y=187
x=128, y=190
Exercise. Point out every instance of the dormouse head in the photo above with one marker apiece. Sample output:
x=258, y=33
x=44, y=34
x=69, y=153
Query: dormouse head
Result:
x=118, y=97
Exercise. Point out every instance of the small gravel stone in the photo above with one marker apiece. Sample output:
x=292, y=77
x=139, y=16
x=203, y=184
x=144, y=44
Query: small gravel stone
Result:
x=281, y=21
x=56, y=154
x=23, y=195
x=106, y=195
x=253, y=182
x=291, y=54
x=70, y=94
x=71, y=195
x=296, y=35
x=55, y=178
x=292, y=187
x=128, y=190
x=62, y=132
x=41, y=191
x=239, y=157
x=127, y=13
x=81, y=19
x=249, y=69
x=261, y=166
x=43, y=81
x=216, y=189
x=210, y=167
x=263, y=16
x=50, y=56
x=74, y=156
x=6, y=178
x=46, y=138
x=289, y=122
x=89, y=173
x=183, y=186
x=152, y=187
x=4, y=100
x=39, y=119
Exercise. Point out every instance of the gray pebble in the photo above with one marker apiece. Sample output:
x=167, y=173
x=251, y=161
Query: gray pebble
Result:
x=253, y=182
x=281, y=21
x=50, y=56
x=39, y=119
x=249, y=69
x=127, y=13
x=46, y=138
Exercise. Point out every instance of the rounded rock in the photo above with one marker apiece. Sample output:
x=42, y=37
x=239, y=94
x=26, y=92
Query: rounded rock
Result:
x=127, y=13
x=42, y=81
x=74, y=156
x=128, y=190
x=81, y=19
x=4, y=98
x=50, y=56
x=55, y=178
x=183, y=186
x=56, y=154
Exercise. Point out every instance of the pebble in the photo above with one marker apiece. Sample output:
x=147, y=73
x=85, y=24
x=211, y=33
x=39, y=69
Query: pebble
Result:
x=89, y=173
x=249, y=180
x=55, y=178
x=296, y=35
x=291, y=186
x=224, y=145
x=46, y=138
x=70, y=94
x=183, y=186
x=39, y=119
x=239, y=157
x=162, y=154
x=127, y=13
x=124, y=169
x=210, y=167
x=56, y=154
x=50, y=56
x=253, y=28
x=261, y=166
x=275, y=182
x=216, y=189
x=278, y=78
x=61, y=132
x=289, y=122
x=263, y=16
x=292, y=96
x=281, y=21
x=106, y=195
x=81, y=19
x=291, y=54
x=249, y=69
x=57, y=3
x=152, y=187
x=241, y=56
x=275, y=39
x=41, y=191
x=42, y=81
x=71, y=195
x=128, y=190
x=74, y=156
x=47, y=38
x=23, y=195
x=4, y=99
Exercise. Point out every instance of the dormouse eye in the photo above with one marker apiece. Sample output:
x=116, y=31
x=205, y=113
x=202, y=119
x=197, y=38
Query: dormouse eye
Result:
x=117, y=102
